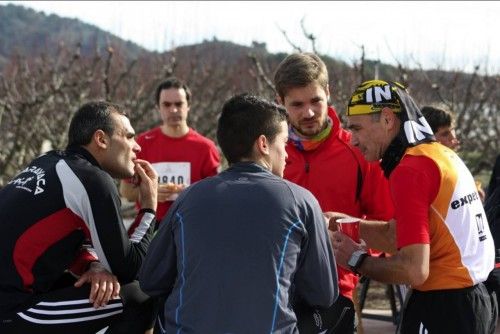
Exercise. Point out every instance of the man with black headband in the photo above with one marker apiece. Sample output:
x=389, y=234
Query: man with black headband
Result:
x=444, y=248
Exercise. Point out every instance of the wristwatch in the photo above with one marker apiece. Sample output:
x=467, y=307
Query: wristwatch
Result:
x=356, y=260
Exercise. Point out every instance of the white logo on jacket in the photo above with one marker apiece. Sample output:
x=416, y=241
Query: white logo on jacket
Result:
x=24, y=182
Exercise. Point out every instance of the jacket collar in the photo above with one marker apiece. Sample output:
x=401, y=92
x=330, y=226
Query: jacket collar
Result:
x=82, y=152
x=335, y=121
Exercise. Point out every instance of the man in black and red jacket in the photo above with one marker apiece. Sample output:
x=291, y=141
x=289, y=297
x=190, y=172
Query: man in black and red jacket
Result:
x=61, y=215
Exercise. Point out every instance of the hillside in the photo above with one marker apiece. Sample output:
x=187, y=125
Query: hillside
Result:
x=214, y=69
x=27, y=32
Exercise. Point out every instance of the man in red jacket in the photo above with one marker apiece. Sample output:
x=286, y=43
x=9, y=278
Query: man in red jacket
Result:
x=321, y=159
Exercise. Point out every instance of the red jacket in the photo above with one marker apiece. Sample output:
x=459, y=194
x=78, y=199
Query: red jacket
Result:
x=343, y=181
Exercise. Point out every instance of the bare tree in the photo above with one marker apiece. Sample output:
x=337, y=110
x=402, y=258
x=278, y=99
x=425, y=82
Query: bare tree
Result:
x=39, y=95
x=473, y=97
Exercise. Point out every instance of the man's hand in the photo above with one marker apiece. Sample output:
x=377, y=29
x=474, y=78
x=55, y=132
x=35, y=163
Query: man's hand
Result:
x=104, y=285
x=169, y=191
x=343, y=247
x=331, y=219
x=148, y=184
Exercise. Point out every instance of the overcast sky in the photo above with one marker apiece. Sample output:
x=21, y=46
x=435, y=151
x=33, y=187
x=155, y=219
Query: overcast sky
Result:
x=448, y=34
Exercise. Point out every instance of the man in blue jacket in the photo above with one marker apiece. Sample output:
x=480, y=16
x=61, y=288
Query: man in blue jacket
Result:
x=235, y=248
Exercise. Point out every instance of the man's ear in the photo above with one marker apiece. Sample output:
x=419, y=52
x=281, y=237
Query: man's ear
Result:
x=101, y=139
x=388, y=118
x=262, y=145
x=279, y=100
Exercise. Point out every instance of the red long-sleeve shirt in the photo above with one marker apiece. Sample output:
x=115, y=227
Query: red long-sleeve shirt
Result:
x=342, y=180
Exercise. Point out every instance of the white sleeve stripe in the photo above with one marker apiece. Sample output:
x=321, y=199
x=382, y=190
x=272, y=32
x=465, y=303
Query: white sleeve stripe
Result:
x=66, y=321
x=142, y=228
x=66, y=302
x=73, y=311
x=77, y=200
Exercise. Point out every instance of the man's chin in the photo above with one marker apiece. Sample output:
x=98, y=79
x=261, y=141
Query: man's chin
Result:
x=174, y=121
x=309, y=132
x=125, y=174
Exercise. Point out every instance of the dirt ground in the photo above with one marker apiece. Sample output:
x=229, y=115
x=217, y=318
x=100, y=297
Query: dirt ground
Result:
x=377, y=297
x=376, y=315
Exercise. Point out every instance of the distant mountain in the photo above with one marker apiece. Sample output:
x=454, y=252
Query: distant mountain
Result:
x=27, y=32
x=218, y=69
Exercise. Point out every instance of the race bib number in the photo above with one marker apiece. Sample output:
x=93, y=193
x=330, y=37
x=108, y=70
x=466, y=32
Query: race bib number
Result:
x=173, y=172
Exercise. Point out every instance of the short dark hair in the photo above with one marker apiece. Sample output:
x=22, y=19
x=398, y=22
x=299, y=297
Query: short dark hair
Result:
x=172, y=82
x=89, y=118
x=243, y=119
x=300, y=70
x=437, y=117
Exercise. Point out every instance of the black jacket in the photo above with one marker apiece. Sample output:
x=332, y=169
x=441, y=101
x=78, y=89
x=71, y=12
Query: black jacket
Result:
x=60, y=202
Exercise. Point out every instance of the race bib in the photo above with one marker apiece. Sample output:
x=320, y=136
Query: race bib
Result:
x=173, y=172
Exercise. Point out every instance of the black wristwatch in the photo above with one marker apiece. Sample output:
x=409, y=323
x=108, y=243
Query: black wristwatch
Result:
x=356, y=260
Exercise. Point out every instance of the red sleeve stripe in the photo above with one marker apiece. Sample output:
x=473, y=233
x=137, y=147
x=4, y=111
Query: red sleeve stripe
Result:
x=39, y=237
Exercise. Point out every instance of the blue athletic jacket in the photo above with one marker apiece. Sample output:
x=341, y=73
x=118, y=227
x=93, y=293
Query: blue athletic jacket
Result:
x=233, y=251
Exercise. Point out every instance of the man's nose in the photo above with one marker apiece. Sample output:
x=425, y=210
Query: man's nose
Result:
x=308, y=113
x=136, y=148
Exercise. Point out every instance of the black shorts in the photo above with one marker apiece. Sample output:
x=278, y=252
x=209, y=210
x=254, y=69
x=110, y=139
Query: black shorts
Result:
x=459, y=311
x=68, y=310
x=338, y=319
